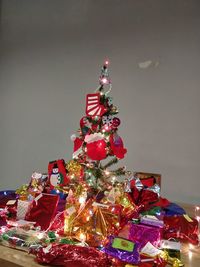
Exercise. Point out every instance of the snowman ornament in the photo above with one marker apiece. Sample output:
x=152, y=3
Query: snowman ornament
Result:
x=56, y=178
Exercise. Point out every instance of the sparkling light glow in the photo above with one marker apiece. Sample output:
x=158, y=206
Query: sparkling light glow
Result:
x=82, y=200
x=113, y=179
x=82, y=237
x=106, y=63
x=191, y=247
x=190, y=255
x=104, y=80
x=107, y=173
x=40, y=235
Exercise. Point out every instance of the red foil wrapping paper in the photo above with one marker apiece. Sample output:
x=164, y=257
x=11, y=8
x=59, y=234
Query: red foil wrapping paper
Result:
x=144, y=197
x=72, y=256
x=181, y=227
x=42, y=210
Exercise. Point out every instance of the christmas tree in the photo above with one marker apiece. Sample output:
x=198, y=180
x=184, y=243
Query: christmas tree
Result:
x=98, y=140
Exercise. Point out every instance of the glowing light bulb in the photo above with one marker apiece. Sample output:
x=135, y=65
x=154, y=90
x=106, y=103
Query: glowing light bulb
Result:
x=82, y=200
x=107, y=173
x=190, y=255
x=90, y=212
x=106, y=63
x=82, y=237
x=40, y=235
x=113, y=179
x=87, y=218
x=191, y=246
x=104, y=80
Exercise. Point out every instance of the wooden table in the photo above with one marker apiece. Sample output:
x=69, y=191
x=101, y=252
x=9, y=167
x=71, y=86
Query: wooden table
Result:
x=15, y=258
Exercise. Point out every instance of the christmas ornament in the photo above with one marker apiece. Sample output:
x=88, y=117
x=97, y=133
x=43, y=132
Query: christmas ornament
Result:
x=116, y=122
x=97, y=150
x=117, y=146
x=74, y=168
x=85, y=125
x=108, y=120
x=57, y=173
x=93, y=106
x=77, y=146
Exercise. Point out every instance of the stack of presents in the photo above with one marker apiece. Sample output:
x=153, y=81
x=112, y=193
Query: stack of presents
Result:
x=68, y=227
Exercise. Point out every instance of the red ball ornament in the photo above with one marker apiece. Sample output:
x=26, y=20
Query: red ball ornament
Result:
x=116, y=122
x=97, y=150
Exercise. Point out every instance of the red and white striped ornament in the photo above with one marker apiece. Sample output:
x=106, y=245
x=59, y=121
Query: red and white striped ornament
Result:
x=93, y=106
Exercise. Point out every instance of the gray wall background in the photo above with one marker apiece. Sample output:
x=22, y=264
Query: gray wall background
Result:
x=50, y=57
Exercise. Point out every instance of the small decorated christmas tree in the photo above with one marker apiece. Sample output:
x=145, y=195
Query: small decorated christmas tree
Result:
x=98, y=139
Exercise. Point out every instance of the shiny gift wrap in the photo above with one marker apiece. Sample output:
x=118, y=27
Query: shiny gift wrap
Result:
x=143, y=195
x=96, y=222
x=72, y=256
x=126, y=251
x=181, y=227
x=142, y=234
x=129, y=209
x=20, y=239
x=42, y=210
x=165, y=260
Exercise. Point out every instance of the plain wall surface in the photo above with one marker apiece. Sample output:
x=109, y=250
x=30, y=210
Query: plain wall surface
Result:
x=51, y=52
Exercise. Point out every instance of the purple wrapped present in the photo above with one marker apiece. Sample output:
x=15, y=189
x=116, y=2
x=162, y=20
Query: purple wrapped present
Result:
x=142, y=234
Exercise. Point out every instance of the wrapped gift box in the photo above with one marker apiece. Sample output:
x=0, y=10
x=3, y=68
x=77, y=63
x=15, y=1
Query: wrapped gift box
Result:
x=149, y=179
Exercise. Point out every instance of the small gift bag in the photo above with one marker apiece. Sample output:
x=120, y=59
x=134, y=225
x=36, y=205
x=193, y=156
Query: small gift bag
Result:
x=42, y=210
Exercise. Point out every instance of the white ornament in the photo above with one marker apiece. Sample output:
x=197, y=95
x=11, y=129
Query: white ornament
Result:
x=108, y=120
x=73, y=137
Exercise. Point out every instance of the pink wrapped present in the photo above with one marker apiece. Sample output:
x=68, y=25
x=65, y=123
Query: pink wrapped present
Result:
x=141, y=234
